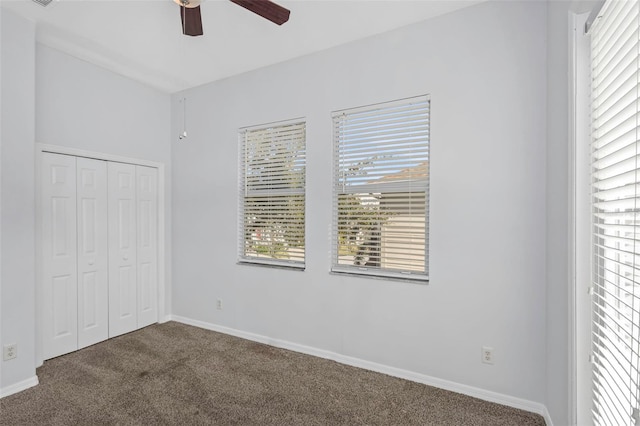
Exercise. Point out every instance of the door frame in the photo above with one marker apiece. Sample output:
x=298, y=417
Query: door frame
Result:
x=163, y=293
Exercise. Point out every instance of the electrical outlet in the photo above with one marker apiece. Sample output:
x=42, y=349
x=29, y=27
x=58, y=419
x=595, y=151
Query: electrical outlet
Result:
x=487, y=355
x=10, y=352
x=219, y=304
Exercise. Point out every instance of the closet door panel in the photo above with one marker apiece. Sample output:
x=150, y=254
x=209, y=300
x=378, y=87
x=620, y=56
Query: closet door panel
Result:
x=147, y=244
x=122, y=248
x=93, y=289
x=59, y=255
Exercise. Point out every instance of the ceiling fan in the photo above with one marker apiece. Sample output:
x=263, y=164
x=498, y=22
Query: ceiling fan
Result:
x=192, y=20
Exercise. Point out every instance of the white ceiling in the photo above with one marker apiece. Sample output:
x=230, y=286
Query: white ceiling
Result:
x=142, y=39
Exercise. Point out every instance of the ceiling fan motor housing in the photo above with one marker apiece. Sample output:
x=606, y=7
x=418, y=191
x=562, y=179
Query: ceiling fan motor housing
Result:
x=43, y=2
x=190, y=4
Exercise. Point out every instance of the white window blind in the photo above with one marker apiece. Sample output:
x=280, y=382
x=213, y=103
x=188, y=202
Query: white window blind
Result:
x=381, y=190
x=272, y=194
x=616, y=209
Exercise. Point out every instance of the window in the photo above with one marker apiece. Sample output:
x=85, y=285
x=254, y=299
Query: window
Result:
x=381, y=190
x=615, y=205
x=272, y=194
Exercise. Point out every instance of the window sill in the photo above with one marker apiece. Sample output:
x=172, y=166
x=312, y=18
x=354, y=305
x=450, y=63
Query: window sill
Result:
x=416, y=280
x=299, y=268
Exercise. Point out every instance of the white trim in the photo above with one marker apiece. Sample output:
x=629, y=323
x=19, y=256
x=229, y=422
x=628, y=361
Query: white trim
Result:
x=292, y=122
x=579, y=303
x=162, y=261
x=39, y=344
x=19, y=387
x=571, y=311
x=547, y=417
x=383, y=105
x=483, y=394
x=57, y=149
x=162, y=279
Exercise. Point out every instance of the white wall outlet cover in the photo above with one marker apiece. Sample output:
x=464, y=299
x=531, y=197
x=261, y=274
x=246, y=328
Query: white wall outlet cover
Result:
x=487, y=355
x=9, y=352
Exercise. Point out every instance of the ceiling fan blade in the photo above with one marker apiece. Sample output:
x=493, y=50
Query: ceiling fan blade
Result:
x=191, y=21
x=267, y=9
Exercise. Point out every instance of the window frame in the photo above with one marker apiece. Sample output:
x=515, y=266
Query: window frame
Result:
x=580, y=256
x=379, y=272
x=243, y=132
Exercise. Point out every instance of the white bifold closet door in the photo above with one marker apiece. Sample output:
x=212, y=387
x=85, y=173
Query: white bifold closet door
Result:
x=122, y=249
x=59, y=255
x=147, y=244
x=93, y=290
x=99, y=250
x=133, y=247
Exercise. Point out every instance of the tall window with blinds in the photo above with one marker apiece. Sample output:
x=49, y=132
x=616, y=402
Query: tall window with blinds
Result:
x=381, y=190
x=272, y=194
x=616, y=210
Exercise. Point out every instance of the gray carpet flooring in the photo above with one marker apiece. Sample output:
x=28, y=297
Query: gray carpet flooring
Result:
x=174, y=374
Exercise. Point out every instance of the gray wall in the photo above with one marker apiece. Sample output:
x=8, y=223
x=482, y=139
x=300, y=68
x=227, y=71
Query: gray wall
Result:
x=80, y=105
x=557, y=188
x=485, y=68
x=17, y=275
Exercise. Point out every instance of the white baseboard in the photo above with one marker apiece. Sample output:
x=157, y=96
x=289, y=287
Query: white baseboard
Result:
x=19, y=387
x=523, y=404
x=547, y=417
